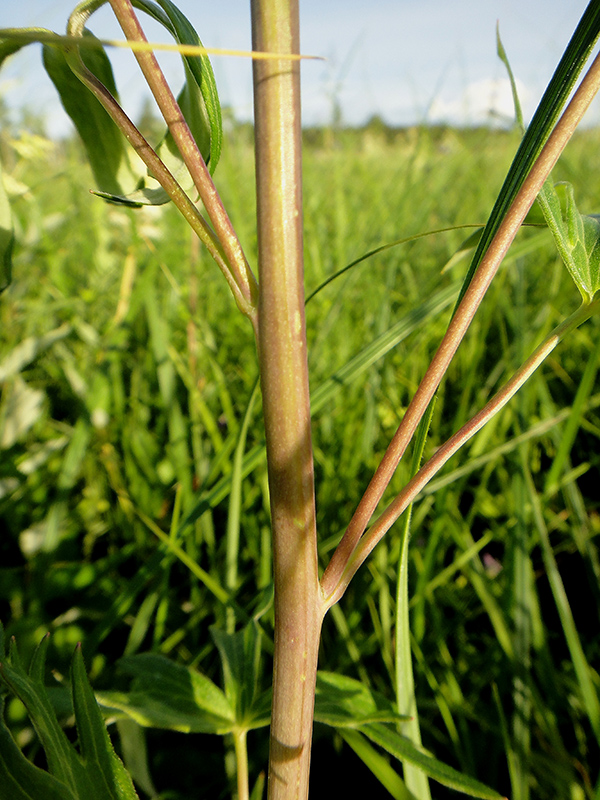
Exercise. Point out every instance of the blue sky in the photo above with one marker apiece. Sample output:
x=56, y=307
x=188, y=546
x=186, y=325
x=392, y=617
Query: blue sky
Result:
x=406, y=60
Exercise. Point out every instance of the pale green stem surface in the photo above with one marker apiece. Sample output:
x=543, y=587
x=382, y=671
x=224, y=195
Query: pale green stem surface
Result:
x=284, y=383
x=241, y=761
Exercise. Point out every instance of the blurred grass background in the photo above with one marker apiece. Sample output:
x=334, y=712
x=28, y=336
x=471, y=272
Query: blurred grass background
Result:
x=126, y=373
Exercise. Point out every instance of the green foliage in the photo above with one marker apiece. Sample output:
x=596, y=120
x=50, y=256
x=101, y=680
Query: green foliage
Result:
x=93, y=772
x=124, y=404
x=6, y=237
x=105, y=147
x=199, y=99
x=577, y=237
x=128, y=438
x=103, y=142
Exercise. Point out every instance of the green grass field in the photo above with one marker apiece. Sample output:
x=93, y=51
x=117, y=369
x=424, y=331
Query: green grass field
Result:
x=126, y=373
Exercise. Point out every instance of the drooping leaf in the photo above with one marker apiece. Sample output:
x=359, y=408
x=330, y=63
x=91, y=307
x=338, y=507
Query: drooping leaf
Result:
x=402, y=749
x=344, y=703
x=199, y=99
x=103, y=141
x=6, y=236
x=8, y=48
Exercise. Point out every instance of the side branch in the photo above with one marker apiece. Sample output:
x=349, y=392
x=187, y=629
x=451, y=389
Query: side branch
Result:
x=459, y=324
x=397, y=507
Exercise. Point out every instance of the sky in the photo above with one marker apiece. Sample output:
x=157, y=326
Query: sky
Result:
x=408, y=61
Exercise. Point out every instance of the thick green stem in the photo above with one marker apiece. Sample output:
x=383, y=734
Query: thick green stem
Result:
x=284, y=383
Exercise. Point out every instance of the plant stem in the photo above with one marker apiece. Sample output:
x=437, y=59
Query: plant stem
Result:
x=241, y=760
x=460, y=322
x=284, y=383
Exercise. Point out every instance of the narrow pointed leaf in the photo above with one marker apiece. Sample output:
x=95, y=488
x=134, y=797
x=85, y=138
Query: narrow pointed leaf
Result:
x=20, y=779
x=63, y=761
x=38, y=661
x=404, y=750
x=378, y=765
x=544, y=119
x=106, y=771
x=103, y=142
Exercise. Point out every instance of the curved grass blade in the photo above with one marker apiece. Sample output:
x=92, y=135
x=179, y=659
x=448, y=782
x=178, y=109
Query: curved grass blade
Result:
x=404, y=750
x=378, y=765
x=382, y=248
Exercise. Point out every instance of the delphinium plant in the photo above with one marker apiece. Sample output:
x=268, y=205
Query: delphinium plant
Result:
x=272, y=299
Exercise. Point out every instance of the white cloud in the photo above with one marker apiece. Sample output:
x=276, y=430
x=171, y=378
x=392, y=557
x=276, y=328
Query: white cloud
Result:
x=486, y=101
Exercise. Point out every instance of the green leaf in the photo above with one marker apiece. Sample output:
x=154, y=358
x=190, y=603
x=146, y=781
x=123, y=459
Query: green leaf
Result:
x=7, y=48
x=19, y=778
x=13, y=39
x=240, y=657
x=404, y=750
x=199, y=99
x=106, y=770
x=513, y=84
x=577, y=237
x=584, y=239
x=62, y=759
x=544, y=119
x=259, y=788
x=28, y=349
x=6, y=234
x=343, y=702
x=378, y=765
x=168, y=695
x=103, y=141
x=96, y=774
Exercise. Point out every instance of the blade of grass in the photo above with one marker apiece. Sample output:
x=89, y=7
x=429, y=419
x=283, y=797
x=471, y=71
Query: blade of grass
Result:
x=574, y=421
x=589, y=693
x=416, y=779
